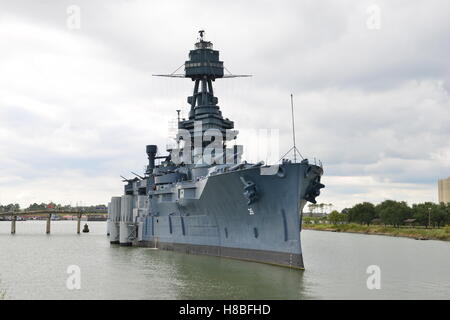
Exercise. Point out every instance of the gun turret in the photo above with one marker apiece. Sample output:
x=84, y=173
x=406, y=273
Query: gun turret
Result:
x=126, y=180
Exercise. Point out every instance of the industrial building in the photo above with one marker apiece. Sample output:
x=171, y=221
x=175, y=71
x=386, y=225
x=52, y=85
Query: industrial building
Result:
x=444, y=190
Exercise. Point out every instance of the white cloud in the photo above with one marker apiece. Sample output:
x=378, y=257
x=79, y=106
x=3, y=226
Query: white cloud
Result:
x=80, y=106
x=68, y=187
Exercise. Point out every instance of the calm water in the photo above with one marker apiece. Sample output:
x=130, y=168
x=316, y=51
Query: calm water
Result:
x=33, y=266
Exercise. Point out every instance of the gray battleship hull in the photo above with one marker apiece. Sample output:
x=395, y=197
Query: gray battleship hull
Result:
x=201, y=198
x=217, y=220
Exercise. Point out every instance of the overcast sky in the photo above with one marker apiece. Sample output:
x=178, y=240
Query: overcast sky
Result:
x=370, y=80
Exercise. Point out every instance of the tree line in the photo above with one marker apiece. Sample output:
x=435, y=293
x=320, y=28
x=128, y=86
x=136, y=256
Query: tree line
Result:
x=394, y=213
x=43, y=206
x=319, y=207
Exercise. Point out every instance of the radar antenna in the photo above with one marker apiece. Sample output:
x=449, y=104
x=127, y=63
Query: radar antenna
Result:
x=201, y=32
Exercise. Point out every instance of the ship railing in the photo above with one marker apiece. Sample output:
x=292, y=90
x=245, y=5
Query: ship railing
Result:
x=291, y=159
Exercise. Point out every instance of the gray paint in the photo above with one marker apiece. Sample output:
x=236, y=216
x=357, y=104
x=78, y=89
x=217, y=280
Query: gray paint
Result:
x=221, y=205
x=238, y=210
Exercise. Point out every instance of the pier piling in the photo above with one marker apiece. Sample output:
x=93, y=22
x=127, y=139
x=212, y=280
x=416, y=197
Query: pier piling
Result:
x=13, y=224
x=47, y=231
x=78, y=223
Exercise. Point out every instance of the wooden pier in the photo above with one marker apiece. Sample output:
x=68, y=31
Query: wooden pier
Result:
x=49, y=213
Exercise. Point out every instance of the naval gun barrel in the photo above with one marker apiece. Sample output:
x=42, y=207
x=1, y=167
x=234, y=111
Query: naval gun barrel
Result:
x=259, y=164
x=238, y=166
x=140, y=177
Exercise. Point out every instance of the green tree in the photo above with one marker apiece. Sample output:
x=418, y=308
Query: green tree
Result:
x=346, y=214
x=447, y=209
x=393, y=212
x=362, y=213
x=307, y=220
x=337, y=218
x=439, y=215
x=334, y=217
x=10, y=207
x=420, y=212
x=430, y=214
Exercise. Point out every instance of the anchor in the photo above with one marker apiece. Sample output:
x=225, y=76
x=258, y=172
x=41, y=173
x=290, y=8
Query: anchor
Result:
x=250, y=192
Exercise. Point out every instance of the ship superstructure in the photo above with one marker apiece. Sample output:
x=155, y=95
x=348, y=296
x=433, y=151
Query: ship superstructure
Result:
x=202, y=198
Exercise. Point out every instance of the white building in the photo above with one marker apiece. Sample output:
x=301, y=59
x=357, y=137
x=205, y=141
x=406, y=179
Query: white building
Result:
x=444, y=190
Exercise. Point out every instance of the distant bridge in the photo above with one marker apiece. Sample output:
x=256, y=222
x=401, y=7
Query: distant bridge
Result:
x=49, y=213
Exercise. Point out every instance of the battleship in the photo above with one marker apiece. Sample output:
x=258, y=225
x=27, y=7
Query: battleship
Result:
x=200, y=197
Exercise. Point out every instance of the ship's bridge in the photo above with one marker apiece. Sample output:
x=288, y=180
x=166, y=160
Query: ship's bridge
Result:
x=204, y=44
x=203, y=61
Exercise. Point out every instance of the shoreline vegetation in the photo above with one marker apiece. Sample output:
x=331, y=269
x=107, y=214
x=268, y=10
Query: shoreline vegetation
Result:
x=408, y=232
x=423, y=221
x=2, y=292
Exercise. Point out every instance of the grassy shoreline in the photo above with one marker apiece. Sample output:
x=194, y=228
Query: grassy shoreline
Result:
x=408, y=232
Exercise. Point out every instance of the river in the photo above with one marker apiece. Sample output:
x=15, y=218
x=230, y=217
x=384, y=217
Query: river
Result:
x=34, y=265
